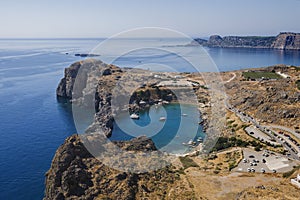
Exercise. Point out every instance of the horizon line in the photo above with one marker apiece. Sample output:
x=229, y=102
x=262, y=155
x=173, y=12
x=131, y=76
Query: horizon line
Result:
x=102, y=37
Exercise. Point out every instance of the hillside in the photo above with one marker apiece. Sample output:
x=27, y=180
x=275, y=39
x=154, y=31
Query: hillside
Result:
x=283, y=41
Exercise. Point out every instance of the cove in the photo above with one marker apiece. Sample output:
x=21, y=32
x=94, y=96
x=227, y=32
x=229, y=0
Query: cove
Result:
x=180, y=127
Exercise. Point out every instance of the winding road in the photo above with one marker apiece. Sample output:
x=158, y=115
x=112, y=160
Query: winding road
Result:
x=267, y=129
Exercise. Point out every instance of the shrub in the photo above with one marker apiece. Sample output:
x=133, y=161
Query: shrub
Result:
x=257, y=148
x=187, y=162
x=232, y=166
x=298, y=84
x=224, y=143
x=290, y=173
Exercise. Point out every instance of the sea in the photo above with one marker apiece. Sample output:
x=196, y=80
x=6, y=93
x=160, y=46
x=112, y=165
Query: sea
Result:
x=33, y=124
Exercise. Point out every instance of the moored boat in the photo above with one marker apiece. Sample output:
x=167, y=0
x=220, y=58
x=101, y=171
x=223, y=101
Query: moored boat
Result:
x=162, y=119
x=134, y=116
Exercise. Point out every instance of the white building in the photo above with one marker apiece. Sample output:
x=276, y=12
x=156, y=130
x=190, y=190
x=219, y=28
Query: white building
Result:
x=296, y=181
x=283, y=75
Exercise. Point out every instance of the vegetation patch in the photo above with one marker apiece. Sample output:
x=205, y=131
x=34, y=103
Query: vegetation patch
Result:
x=290, y=173
x=296, y=68
x=204, y=87
x=298, y=84
x=260, y=75
x=230, y=122
x=187, y=162
x=225, y=143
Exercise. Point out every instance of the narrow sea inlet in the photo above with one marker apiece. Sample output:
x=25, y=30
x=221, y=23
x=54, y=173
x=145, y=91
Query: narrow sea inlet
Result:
x=174, y=127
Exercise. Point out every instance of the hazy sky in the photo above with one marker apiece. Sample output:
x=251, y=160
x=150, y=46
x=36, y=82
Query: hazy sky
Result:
x=103, y=18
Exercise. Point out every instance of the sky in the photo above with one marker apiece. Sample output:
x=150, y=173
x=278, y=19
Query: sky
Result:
x=104, y=18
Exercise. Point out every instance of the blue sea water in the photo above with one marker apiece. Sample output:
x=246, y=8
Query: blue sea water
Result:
x=180, y=127
x=33, y=124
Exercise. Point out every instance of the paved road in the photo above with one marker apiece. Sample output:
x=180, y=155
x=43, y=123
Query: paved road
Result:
x=285, y=129
x=246, y=118
x=265, y=129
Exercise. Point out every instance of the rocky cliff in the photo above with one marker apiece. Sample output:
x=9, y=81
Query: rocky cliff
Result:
x=76, y=174
x=94, y=84
x=289, y=41
x=283, y=41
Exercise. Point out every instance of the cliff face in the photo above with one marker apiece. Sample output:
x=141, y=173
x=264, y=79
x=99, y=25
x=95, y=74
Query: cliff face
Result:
x=76, y=174
x=81, y=75
x=284, y=41
x=65, y=87
x=245, y=42
x=289, y=41
x=100, y=82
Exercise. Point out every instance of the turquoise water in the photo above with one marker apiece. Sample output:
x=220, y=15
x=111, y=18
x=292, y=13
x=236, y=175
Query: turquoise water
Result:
x=181, y=126
x=33, y=124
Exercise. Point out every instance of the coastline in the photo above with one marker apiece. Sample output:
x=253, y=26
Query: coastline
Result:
x=283, y=41
x=208, y=164
x=141, y=99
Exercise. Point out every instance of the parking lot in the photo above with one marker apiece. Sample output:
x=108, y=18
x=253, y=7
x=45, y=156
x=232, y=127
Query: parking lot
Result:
x=258, y=134
x=264, y=162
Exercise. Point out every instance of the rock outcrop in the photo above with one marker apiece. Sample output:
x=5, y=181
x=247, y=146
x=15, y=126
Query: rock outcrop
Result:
x=66, y=84
x=76, y=174
x=94, y=84
x=287, y=41
x=95, y=80
x=284, y=41
x=77, y=74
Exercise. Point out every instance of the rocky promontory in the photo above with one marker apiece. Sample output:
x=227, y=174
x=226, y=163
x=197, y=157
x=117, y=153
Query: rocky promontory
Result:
x=76, y=174
x=96, y=85
x=283, y=41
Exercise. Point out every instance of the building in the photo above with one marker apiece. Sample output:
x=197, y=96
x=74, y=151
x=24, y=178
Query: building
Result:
x=296, y=181
x=283, y=75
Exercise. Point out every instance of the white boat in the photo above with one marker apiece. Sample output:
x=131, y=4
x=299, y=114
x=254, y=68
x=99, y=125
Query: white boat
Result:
x=184, y=114
x=165, y=102
x=134, y=116
x=143, y=102
x=162, y=119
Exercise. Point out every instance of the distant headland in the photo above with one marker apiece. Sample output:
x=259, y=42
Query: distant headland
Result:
x=283, y=41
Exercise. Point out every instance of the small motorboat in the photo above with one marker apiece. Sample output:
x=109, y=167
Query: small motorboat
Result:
x=134, y=116
x=165, y=102
x=162, y=119
x=184, y=114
